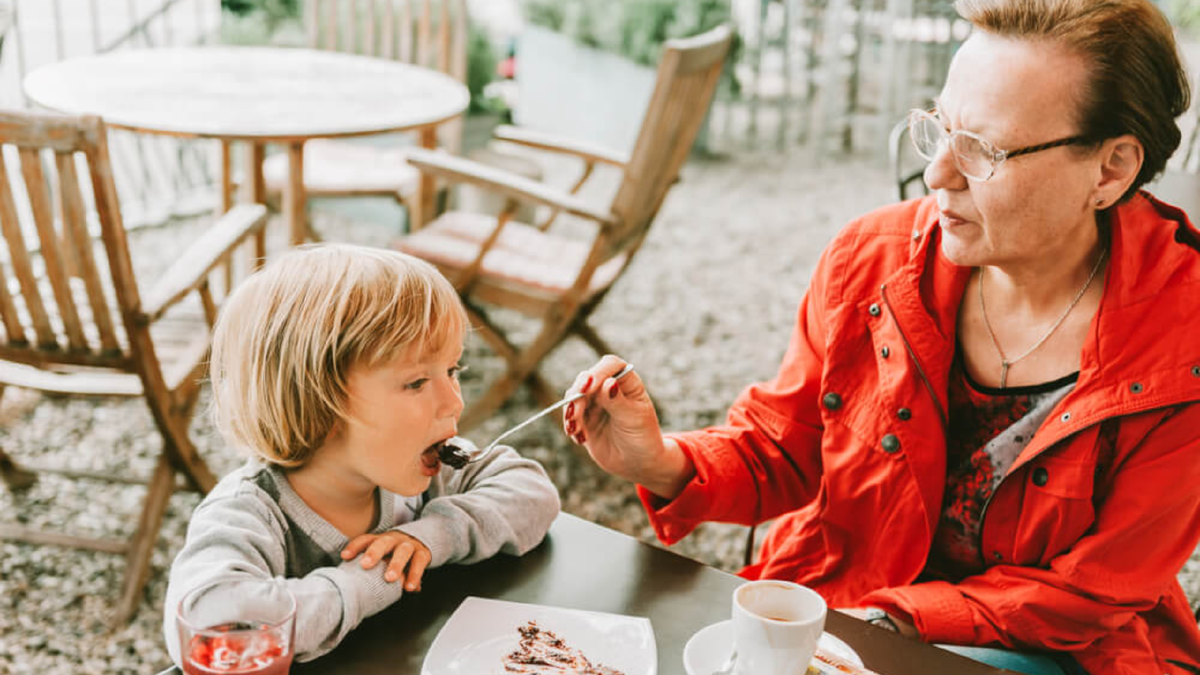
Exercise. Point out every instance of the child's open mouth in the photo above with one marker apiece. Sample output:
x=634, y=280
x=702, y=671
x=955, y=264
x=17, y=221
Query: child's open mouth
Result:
x=430, y=463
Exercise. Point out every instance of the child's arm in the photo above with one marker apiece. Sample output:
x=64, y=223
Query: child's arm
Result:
x=503, y=503
x=242, y=536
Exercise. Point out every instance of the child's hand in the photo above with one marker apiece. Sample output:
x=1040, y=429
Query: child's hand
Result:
x=403, y=549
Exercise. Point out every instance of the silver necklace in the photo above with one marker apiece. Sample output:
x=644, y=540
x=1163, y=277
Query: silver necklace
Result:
x=1005, y=364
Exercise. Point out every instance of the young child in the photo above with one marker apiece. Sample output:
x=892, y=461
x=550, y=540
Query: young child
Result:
x=337, y=368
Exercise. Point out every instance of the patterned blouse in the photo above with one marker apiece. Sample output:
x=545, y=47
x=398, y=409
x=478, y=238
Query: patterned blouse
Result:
x=988, y=430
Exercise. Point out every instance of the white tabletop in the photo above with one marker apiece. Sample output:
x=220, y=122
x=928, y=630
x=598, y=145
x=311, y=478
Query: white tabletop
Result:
x=263, y=93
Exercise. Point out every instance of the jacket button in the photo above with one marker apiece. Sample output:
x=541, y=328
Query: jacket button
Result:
x=885, y=352
x=1195, y=371
x=1136, y=387
x=874, y=310
x=904, y=414
x=890, y=443
x=1041, y=476
x=832, y=401
x=997, y=556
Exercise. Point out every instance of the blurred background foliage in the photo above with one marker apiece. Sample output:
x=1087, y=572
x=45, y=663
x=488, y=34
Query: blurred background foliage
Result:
x=1185, y=14
x=635, y=29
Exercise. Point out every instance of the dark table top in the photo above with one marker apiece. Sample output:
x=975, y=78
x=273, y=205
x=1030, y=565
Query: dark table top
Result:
x=582, y=565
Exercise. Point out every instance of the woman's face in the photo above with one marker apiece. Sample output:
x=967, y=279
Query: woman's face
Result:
x=1014, y=93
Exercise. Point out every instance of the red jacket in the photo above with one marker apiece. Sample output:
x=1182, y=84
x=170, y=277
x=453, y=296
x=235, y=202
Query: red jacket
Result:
x=847, y=448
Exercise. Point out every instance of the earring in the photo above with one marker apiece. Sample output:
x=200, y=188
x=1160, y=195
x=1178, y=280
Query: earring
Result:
x=1099, y=203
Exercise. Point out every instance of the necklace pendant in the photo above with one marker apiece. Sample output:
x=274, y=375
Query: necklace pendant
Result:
x=1004, y=372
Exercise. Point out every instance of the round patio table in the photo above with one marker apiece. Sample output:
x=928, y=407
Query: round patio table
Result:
x=257, y=95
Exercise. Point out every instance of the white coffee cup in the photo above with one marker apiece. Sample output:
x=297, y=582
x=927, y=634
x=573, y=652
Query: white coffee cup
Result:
x=776, y=626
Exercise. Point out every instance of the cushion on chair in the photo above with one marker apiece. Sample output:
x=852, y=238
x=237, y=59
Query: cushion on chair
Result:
x=522, y=256
x=339, y=167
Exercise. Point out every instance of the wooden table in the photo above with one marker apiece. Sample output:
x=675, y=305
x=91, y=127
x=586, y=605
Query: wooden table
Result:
x=257, y=95
x=585, y=566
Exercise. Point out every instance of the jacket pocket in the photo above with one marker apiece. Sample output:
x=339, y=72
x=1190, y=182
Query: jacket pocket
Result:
x=1057, y=507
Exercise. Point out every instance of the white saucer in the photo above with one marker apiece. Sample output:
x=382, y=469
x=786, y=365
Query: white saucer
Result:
x=708, y=649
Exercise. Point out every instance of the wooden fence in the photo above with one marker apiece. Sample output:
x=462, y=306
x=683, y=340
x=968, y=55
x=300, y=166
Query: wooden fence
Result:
x=835, y=75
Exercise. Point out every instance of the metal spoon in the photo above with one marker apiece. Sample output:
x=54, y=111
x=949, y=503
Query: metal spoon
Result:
x=456, y=457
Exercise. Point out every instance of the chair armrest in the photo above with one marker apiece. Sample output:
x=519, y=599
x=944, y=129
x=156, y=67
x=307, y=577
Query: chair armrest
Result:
x=191, y=269
x=445, y=165
x=591, y=152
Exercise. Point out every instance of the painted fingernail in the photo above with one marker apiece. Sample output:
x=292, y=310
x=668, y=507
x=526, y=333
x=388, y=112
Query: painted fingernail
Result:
x=412, y=586
x=612, y=391
x=390, y=576
x=571, y=428
x=570, y=409
x=586, y=384
x=367, y=560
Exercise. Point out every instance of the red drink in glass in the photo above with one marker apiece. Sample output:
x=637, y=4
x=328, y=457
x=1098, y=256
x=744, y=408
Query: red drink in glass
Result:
x=237, y=649
x=237, y=627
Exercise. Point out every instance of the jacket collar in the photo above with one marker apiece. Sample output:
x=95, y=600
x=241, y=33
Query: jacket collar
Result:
x=1141, y=350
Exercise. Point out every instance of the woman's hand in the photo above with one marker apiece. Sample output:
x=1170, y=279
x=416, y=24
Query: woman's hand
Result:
x=902, y=627
x=405, y=551
x=616, y=422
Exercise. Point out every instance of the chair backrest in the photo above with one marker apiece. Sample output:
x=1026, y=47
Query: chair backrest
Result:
x=56, y=299
x=908, y=169
x=687, y=78
x=428, y=33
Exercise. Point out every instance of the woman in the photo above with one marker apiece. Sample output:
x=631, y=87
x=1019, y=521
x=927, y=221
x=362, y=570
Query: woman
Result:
x=986, y=428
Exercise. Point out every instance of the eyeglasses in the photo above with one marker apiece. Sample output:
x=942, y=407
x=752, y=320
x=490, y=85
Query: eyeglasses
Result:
x=974, y=156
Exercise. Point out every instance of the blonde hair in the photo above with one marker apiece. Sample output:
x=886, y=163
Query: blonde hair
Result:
x=1138, y=84
x=286, y=338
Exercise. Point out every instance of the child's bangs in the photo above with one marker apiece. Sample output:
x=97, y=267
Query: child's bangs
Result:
x=423, y=317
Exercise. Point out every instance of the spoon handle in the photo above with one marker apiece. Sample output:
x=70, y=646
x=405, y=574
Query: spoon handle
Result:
x=574, y=397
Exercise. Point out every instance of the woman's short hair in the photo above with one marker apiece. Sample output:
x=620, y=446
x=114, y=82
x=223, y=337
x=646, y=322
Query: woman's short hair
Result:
x=286, y=338
x=1138, y=84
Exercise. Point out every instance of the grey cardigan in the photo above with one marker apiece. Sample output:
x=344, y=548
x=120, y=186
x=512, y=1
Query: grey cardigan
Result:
x=254, y=525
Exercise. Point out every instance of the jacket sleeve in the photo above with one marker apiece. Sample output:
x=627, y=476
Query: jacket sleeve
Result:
x=1145, y=530
x=765, y=460
x=502, y=504
x=240, y=538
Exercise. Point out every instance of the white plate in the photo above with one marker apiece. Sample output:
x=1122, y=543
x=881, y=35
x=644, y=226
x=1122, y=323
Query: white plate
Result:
x=481, y=632
x=709, y=648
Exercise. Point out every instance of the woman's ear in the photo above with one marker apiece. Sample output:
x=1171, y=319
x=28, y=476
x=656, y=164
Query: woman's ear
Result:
x=1120, y=161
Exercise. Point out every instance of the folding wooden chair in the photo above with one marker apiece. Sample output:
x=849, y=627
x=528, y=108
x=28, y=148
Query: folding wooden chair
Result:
x=410, y=31
x=76, y=323
x=561, y=280
x=908, y=169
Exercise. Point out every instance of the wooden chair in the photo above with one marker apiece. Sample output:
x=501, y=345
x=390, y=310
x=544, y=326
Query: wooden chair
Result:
x=908, y=168
x=534, y=270
x=428, y=33
x=85, y=327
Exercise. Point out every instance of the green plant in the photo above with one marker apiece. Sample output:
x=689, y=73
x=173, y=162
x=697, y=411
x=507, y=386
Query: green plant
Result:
x=1186, y=15
x=481, y=66
x=271, y=11
x=635, y=29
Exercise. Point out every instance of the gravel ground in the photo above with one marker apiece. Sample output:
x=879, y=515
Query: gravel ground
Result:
x=705, y=309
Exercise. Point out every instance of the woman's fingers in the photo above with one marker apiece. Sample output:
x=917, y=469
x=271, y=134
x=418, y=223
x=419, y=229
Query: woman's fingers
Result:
x=588, y=383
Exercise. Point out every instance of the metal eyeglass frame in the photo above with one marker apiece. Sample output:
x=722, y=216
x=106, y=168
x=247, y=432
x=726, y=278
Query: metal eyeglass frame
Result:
x=997, y=156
